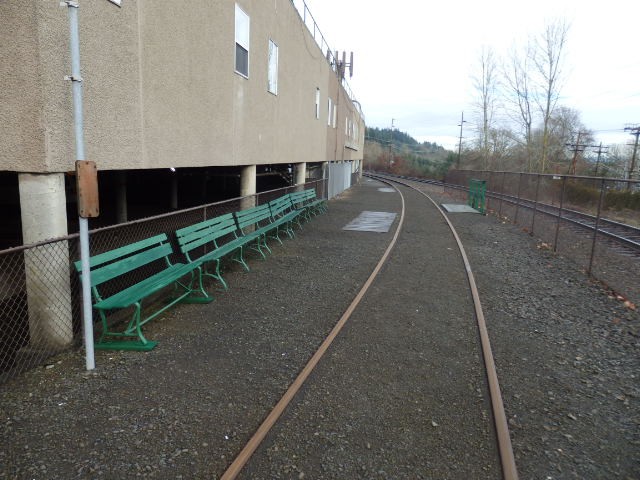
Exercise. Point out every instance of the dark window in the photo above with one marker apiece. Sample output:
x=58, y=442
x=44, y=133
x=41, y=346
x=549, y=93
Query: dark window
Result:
x=242, y=60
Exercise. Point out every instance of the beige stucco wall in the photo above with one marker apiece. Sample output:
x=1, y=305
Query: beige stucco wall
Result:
x=160, y=88
x=22, y=134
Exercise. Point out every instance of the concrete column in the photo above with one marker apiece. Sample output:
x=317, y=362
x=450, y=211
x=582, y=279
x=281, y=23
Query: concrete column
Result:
x=300, y=174
x=122, y=214
x=44, y=216
x=248, y=186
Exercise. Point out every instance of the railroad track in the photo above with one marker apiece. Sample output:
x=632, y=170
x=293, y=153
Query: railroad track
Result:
x=618, y=234
x=504, y=446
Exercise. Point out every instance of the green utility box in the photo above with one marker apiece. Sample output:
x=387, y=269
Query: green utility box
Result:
x=477, y=195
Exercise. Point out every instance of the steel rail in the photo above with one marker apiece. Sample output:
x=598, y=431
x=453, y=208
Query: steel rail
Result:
x=245, y=454
x=578, y=218
x=507, y=459
x=625, y=235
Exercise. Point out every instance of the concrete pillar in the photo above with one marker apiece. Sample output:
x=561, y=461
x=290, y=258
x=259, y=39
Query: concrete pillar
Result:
x=248, y=186
x=44, y=216
x=122, y=213
x=300, y=170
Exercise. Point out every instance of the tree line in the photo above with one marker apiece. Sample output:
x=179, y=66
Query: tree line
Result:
x=519, y=122
x=398, y=152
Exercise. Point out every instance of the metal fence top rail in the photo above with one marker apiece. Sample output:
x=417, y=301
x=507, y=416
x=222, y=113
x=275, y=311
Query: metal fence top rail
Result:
x=553, y=175
x=21, y=248
x=304, y=12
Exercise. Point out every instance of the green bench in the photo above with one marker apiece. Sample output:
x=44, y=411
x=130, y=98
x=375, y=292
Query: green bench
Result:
x=253, y=225
x=307, y=201
x=202, y=243
x=283, y=215
x=112, y=269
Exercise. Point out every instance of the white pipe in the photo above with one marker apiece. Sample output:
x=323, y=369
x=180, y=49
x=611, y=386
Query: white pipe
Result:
x=87, y=307
x=76, y=81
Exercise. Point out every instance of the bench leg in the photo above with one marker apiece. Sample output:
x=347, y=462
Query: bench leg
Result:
x=217, y=275
x=187, y=295
x=240, y=259
x=277, y=235
x=134, y=329
x=262, y=242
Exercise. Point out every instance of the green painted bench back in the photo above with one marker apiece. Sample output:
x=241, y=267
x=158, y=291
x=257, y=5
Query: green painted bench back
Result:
x=252, y=216
x=114, y=263
x=303, y=196
x=209, y=231
x=280, y=206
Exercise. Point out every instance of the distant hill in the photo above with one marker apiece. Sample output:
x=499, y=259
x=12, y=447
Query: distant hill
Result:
x=408, y=157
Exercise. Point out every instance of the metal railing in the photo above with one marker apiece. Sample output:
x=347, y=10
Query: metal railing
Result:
x=40, y=291
x=595, y=221
x=314, y=30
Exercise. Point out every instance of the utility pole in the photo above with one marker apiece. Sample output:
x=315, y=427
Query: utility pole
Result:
x=600, y=152
x=391, y=145
x=633, y=130
x=462, y=121
x=575, y=147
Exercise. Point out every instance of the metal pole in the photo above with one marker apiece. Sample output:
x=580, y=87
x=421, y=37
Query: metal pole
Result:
x=595, y=230
x=504, y=174
x=555, y=241
x=460, y=144
x=535, y=204
x=515, y=218
x=487, y=190
x=76, y=81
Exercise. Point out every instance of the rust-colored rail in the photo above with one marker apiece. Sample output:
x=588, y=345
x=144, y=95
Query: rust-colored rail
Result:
x=243, y=457
x=509, y=470
x=504, y=442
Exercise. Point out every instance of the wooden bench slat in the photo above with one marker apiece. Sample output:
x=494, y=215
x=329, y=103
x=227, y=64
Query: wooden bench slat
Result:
x=116, y=253
x=123, y=261
x=149, y=286
x=128, y=264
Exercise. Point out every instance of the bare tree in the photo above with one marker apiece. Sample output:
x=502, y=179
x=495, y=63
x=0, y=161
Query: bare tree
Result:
x=568, y=139
x=548, y=58
x=517, y=75
x=486, y=86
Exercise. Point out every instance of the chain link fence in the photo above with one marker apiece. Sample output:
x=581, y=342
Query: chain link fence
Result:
x=594, y=221
x=40, y=290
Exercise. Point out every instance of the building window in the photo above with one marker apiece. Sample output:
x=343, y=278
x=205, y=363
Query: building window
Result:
x=335, y=115
x=273, y=68
x=329, y=109
x=242, y=42
x=317, y=103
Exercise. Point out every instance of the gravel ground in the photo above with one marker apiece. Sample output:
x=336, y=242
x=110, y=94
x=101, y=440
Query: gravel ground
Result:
x=566, y=350
x=401, y=393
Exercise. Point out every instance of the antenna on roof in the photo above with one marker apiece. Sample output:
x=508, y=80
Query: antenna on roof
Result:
x=342, y=65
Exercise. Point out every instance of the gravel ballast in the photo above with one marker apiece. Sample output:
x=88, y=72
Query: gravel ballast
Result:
x=401, y=393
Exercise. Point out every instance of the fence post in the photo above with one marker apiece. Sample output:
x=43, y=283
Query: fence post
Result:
x=595, y=230
x=489, y=190
x=535, y=204
x=504, y=174
x=515, y=219
x=555, y=240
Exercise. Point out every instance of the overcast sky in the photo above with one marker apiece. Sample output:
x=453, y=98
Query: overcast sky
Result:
x=414, y=59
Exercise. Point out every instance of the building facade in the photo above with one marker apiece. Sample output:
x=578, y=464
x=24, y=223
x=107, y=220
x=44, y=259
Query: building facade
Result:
x=167, y=85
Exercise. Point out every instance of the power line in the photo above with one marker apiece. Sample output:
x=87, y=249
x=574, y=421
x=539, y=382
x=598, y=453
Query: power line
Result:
x=633, y=130
x=576, y=148
x=600, y=152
